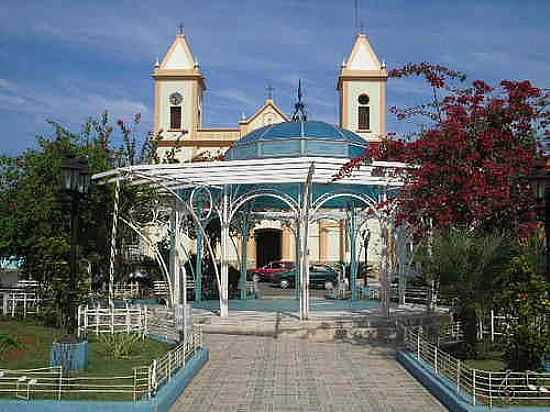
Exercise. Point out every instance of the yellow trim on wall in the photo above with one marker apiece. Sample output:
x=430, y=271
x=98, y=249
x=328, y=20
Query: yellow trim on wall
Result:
x=157, y=107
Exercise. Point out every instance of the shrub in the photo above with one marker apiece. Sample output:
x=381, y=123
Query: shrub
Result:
x=7, y=342
x=119, y=345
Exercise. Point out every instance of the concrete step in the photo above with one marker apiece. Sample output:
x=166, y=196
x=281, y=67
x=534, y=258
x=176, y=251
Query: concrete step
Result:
x=374, y=327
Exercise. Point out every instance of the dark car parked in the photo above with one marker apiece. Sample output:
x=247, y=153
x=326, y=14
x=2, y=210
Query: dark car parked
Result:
x=322, y=276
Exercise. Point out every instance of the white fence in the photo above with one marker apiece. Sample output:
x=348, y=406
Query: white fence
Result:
x=142, y=383
x=160, y=288
x=479, y=386
x=127, y=290
x=162, y=370
x=19, y=303
x=97, y=319
x=141, y=319
x=493, y=326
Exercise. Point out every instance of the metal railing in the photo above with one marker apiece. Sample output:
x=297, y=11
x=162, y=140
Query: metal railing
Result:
x=479, y=387
x=97, y=319
x=143, y=382
x=162, y=369
x=50, y=383
x=140, y=319
x=23, y=383
x=451, y=332
x=127, y=290
x=19, y=303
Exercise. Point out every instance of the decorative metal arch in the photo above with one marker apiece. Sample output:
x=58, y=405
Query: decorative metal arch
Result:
x=321, y=200
x=158, y=256
x=161, y=183
x=276, y=194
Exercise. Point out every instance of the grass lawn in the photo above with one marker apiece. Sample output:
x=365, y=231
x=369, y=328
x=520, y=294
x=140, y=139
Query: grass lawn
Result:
x=493, y=359
x=489, y=364
x=37, y=340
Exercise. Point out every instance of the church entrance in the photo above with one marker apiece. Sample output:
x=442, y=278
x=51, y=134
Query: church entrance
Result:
x=268, y=246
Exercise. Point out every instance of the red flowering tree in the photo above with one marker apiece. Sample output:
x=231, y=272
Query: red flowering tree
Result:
x=469, y=166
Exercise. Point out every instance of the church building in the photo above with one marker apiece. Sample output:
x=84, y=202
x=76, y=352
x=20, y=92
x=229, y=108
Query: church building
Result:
x=178, y=115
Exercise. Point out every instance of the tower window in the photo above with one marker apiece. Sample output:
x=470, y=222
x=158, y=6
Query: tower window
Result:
x=363, y=112
x=364, y=117
x=175, y=117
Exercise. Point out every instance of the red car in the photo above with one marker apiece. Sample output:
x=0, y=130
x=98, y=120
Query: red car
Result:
x=268, y=273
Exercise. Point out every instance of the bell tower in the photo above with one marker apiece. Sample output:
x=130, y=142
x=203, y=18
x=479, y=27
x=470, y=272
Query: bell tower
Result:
x=179, y=88
x=362, y=88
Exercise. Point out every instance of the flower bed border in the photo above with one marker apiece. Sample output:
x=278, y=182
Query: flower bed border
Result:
x=162, y=402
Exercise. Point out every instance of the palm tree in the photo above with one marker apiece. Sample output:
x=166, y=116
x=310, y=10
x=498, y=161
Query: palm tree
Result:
x=467, y=265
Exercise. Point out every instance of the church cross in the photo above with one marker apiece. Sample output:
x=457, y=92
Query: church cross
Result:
x=269, y=90
x=180, y=27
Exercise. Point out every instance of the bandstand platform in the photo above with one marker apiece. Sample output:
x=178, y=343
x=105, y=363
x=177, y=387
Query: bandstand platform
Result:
x=329, y=319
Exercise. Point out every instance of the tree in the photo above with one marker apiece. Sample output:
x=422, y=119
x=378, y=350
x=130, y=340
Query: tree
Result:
x=525, y=299
x=467, y=265
x=34, y=209
x=469, y=162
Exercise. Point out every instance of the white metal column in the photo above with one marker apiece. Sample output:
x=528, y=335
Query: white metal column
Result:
x=174, y=257
x=303, y=230
x=386, y=282
x=224, y=301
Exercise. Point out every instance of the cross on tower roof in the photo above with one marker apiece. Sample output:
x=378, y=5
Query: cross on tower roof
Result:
x=180, y=28
x=269, y=90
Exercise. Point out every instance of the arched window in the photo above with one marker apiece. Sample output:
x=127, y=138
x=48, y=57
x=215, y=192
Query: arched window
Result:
x=363, y=112
x=175, y=117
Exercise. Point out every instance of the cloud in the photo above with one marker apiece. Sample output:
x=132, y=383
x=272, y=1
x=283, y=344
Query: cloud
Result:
x=78, y=58
x=72, y=105
x=4, y=84
x=234, y=95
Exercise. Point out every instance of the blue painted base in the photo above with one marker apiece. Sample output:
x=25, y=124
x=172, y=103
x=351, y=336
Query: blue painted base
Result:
x=164, y=400
x=72, y=356
x=444, y=390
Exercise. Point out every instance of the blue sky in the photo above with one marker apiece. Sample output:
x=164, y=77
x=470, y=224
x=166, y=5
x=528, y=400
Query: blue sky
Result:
x=68, y=60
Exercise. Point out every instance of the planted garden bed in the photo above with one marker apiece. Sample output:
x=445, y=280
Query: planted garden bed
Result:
x=32, y=350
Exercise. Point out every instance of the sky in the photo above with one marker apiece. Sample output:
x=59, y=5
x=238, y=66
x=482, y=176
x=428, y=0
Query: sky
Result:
x=69, y=60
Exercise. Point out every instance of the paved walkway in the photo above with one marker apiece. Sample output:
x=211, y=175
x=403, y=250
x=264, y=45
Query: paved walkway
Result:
x=256, y=374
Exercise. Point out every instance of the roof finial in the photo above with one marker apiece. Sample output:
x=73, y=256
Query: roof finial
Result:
x=299, y=107
x=180, y=29
x=243, y=116
x=357, y=20
x=269, y=88
x=157, y=63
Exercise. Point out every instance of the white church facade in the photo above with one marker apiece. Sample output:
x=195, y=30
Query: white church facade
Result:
x=179, y=88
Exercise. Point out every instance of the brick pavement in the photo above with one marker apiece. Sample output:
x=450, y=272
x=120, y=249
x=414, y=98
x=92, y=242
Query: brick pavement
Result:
x=256, y=374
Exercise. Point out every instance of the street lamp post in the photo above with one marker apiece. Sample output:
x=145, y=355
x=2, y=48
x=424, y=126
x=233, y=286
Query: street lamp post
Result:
x=76, y=180
x=540, y=183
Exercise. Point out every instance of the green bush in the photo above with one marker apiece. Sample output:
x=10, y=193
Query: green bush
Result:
x=8, y=342
x=119, y=345
x=526, y=299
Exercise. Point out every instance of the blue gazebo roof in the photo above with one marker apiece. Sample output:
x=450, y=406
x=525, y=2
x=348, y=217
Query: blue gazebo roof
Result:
x=297, y=139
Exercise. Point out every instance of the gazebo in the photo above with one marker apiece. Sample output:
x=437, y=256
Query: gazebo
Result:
x=284, y=171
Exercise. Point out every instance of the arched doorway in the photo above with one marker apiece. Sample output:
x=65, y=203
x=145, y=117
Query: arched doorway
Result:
x=268, y=245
